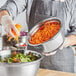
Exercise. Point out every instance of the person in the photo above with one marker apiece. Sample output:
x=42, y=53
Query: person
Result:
x=37, y=10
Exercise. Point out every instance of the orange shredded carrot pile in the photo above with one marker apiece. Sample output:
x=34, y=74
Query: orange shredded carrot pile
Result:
x=45, y=32
x=15, y=34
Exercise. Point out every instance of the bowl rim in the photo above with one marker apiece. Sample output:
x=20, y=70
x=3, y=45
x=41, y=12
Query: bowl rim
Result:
x=24, y=63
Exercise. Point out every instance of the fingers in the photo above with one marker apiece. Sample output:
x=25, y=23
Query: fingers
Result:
x=9, y=24
x=61, y=47
x=15, y=29
x=65, y=44
x=8, y=30
x=48, y=54
x=10, y=33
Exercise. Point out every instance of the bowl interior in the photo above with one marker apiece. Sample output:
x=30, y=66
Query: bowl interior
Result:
x=4, y=54
x=37, y=26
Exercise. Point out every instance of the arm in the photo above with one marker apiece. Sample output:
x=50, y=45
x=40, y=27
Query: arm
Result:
x=9, y=11
x=71, y=37
x=13, y=8
x=72, y=25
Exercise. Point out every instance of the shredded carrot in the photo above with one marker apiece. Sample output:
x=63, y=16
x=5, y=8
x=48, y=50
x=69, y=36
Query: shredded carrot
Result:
x=9, y=38
x=45, y=32
x=15, y=34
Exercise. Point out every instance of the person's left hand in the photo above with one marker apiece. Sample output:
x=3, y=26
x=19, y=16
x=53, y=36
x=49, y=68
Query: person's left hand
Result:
x=48, y=54
x=65, y=44
x=70, y=40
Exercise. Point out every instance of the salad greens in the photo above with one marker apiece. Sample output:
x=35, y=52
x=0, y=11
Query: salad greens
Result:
x=17, y=57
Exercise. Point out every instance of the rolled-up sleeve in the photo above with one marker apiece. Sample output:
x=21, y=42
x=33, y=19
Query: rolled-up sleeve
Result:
x=72, y=24
x=14, y=7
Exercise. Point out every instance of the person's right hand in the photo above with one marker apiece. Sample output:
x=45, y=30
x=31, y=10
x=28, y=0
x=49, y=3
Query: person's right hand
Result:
x=9, y=24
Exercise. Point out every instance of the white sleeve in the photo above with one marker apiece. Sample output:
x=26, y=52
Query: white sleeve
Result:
x=14, y=7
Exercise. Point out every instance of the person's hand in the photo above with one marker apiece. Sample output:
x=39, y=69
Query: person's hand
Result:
x=48, y=54
x=2, y=13
x=60, y=0
x=9, y=24
x=69, y=41
x=64, y=45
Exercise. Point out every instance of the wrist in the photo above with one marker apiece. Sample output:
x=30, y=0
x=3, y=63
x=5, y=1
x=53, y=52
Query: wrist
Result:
x=72, y=40
x=2, y=13
x=6, y=20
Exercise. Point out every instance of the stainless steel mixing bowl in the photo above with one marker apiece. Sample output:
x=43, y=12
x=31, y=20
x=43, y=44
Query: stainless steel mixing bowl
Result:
x=53, y=43
x=19, y=69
